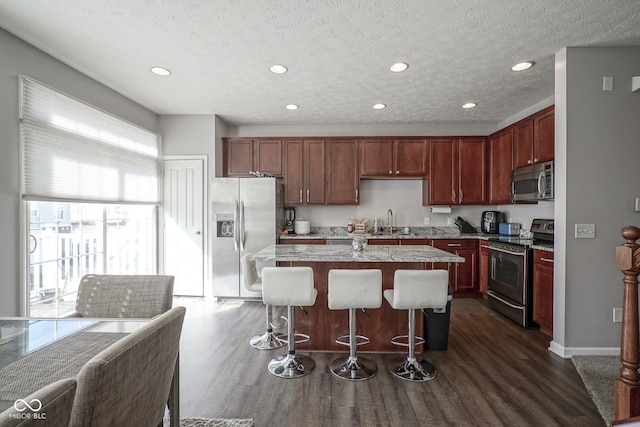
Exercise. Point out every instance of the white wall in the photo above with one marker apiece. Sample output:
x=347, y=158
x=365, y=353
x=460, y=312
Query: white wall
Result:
x=598, y=171
x=18, y=57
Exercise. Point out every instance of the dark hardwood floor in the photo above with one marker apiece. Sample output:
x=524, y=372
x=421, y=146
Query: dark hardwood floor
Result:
x=494, y=373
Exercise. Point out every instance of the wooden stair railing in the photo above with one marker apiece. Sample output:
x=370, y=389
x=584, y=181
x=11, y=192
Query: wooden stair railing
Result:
x=627, y=386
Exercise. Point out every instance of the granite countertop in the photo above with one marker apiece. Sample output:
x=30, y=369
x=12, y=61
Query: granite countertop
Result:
x=345, y=253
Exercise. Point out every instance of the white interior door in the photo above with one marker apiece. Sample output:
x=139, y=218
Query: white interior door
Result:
x=183, y=214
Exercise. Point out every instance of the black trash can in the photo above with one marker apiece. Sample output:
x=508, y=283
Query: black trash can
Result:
x=436, y=326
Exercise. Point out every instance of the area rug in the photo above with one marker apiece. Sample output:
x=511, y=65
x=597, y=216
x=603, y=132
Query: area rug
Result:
x=216, y=422
x=598, y=375
x=470, y=306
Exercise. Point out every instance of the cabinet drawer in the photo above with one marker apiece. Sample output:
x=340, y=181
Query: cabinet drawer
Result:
x=455, y=244
x=543, y=257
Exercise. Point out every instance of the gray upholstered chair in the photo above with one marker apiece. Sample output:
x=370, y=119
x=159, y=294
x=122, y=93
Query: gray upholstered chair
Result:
x=128, y=383
x=50, y=406
x=128, y=296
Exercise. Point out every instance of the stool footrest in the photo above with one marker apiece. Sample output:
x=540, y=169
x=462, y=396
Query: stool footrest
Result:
x=396, y=340
x=298, y=338
x=360, y=340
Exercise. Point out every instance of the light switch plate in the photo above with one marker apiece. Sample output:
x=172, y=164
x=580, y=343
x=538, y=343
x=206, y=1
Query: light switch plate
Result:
x=426, y=220
x=585, y=231
x=617, y=315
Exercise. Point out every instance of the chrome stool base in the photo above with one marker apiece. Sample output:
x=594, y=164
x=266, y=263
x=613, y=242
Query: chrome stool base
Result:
x=353, y=368
x=412, y=369
x=267, y=341
x=291, y=366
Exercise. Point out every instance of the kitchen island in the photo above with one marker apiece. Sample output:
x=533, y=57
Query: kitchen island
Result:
x=380, y=325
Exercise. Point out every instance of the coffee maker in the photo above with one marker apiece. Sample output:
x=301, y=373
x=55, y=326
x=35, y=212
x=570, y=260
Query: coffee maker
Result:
x=289, y=219
x=490, y=221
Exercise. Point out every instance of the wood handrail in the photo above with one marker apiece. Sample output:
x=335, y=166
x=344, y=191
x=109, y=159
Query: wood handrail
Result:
x=627, y=386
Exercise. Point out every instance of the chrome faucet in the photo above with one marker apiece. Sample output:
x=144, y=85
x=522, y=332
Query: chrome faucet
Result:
x=390, y=220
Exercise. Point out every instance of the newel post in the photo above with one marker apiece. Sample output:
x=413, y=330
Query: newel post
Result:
x=627, y=386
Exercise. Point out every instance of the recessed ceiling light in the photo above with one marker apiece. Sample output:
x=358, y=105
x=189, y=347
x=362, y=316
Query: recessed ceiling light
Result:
x=523, y=66
x=399, y=67
x=161, y=71
x=278, y=69
x=469, y=105
x=379, y=106
x=292, y=107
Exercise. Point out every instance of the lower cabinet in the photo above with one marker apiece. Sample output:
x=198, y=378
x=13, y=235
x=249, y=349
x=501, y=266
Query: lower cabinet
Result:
x=484, y=268
x=543, y=290
x=383, y=242
x=463, y=276
x=310, y=241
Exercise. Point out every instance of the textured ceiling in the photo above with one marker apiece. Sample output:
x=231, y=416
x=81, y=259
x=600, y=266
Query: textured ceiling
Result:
x=338, y=53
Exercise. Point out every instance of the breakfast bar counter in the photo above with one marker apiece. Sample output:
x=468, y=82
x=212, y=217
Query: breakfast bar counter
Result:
x=380, y=325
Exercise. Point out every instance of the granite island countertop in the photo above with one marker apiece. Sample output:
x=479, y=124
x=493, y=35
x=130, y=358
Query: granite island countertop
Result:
x=345, y=253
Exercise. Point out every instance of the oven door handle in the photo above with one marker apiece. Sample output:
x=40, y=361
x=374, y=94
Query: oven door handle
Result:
x=493, y=294
x=493, y=248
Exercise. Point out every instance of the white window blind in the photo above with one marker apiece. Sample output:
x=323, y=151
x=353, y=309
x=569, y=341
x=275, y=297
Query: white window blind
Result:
x=75, y=152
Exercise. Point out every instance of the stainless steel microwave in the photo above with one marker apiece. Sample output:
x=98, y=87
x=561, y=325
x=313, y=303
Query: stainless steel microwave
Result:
x=532, y=183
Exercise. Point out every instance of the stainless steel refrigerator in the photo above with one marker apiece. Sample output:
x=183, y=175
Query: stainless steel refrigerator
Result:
x=247, y=213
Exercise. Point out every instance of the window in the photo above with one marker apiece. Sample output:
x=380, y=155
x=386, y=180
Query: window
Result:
x=90, y=182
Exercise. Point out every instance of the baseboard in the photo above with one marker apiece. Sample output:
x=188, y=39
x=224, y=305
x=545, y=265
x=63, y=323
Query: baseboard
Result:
x=568, y=352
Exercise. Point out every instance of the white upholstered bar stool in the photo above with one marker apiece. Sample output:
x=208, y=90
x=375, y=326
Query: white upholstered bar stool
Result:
x=290, y=286
x=352, y=290
x=253, y=282
x=415, y=290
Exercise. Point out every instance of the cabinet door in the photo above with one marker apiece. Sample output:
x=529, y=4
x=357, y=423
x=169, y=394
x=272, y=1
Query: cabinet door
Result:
x=500, y=166
x=343, y=178
x=376, y=157
x=483, y=268
x=238, y=156
x=544, y=136
x=523, y=144
x=267, y=156
x=314, y=172
x=293, y=154
x=442, y=172
x=411, y=157
x=467, y=271
x=471, y=171
x=543, y=290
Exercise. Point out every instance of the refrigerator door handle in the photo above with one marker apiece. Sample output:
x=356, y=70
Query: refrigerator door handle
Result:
x=235, y=227
x=242, y=225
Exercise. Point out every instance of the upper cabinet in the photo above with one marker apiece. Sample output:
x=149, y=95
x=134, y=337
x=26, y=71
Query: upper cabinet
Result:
x=242, y=156
x=343, y=178
x=391, y=158
x=533, y=139
x=304, y=172
x=500, y=161
x=457, y=172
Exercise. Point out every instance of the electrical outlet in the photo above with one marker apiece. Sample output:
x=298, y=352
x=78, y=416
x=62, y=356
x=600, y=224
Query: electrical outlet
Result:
x=617, y=315
x=585, y=231
x=426, y=220
x=449, y=221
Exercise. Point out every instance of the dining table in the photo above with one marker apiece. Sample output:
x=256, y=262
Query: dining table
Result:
x=35, y=352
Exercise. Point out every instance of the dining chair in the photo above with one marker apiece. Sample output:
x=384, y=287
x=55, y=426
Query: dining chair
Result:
x=50, y=406
x=128, y=383
x=128, y=296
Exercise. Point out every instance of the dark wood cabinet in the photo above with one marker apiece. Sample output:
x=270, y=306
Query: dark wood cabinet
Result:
x=457, y=172
x=393, y=158
x=416, y=242
x=463, y=276
x=304, y=172
x=543, y=290
x=483, y=268
x=310, y=241
x=383, y=242
x=343, y=178
x=534, y=138
x=243, y=156
x=500, y=164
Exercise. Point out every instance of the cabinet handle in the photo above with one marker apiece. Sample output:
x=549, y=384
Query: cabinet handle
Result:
x=453, y=195
x=390, y=172
x=356, y=194
x=546, y=259
x=301, y=195
x=307, y=195
x=397, y=172
x=529, y=162
x=453, y=245
x=536, y=160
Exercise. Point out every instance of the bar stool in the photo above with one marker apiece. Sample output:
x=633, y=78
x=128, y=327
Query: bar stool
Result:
x=290, y=286
x=252, y=281
x=353, y=289
x=415, y=289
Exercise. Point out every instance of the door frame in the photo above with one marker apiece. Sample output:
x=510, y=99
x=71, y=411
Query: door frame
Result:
x=206, y=258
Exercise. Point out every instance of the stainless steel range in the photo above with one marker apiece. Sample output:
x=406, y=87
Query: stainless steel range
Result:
x=511, y=272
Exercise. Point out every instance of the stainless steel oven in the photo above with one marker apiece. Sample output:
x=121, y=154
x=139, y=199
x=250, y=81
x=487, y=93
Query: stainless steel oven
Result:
x=511, y=273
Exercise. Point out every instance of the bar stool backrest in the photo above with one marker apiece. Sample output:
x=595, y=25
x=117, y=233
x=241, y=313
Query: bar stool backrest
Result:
x=413, y=289
x=288, y=286
x=360, y=288
x=252, y=281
